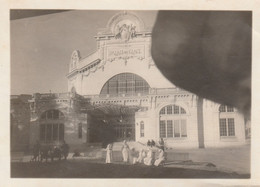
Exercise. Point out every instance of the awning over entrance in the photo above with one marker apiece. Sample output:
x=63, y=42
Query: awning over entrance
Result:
x=114, y=110
x=111, y=122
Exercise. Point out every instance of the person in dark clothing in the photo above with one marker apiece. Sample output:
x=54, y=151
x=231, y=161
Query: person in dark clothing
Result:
x=161, y=144
x=152, y=143
x=65, y=150
x=148, y=143
x=36, y=151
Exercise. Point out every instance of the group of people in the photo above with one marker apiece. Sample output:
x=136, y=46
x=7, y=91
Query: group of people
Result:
x=41, y=152
x=132, y=156
x=151, y=143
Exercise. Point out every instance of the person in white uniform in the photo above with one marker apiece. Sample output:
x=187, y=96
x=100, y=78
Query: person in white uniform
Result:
x=141, y=156
x=109, y=154
x=160, y=159
x=125, y=151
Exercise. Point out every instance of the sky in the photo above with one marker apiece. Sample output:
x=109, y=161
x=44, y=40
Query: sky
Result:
x=41, y=46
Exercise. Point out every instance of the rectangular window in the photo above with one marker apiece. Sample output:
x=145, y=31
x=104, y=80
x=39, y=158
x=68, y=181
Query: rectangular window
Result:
x=142, y=129
x=169, y=129
x=61, y=132
x=146, y=87
x=231, y=127
x=176, y=128
x=230, y=109
x=130, y=84
x=169, y=109
x=112, y=87
x=49, y=132
x=162, y=129
x=222, y=127
x=139, y=86
x=55, y=132
x=176, y=109
x=183, y=128
x=121, y=86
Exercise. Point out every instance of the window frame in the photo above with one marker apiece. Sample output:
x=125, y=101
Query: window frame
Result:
x=227, y=125
x=128, y=84
x=141, y=129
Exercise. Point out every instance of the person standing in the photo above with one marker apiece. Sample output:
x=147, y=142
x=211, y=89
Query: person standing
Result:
x=109, y=154
x=152, y=143
x=133, y=156
x=161, y=143
x=36, y=151
x=65, y=149
x=148, y=143
x=125, y=151
x=141, y=156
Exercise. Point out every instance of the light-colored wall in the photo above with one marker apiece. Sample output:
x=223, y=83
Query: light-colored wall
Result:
x=91, y=82
x=151, y=120
x=211, y=127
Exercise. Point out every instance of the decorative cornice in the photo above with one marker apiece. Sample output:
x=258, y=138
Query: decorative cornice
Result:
x=92, y=67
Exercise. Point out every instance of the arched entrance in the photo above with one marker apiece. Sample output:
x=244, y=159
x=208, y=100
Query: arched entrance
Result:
x=113, y=118
x=111, y=122
x=52, y=126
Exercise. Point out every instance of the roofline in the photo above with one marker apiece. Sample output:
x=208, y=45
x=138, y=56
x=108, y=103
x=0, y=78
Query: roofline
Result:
x=75, y=71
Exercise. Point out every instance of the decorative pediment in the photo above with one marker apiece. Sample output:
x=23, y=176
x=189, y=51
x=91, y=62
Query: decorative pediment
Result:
x=123, y=26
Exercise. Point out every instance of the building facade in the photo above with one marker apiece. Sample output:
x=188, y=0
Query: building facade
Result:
x=121, y=75
x=118, y=93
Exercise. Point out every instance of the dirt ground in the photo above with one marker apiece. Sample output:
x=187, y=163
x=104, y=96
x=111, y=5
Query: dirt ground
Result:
x=230, y=159
x=92, y=169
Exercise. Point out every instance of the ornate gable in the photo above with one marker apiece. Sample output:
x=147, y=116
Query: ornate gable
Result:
x=123, y=26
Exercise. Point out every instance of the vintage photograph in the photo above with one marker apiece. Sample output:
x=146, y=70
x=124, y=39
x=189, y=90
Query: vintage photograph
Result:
x=130, y=94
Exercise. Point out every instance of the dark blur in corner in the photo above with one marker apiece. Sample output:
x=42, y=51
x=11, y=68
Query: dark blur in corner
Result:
x=207, y=53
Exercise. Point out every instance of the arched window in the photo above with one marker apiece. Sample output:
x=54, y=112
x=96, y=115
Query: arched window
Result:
x=226, y=121
x=225, y=108
x=173, y=123
x=52, y=114
x=172, y=109
x=52, y=126
x=128, y=84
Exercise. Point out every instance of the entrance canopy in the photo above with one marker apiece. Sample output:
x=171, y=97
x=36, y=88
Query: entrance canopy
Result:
x=113, y=110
